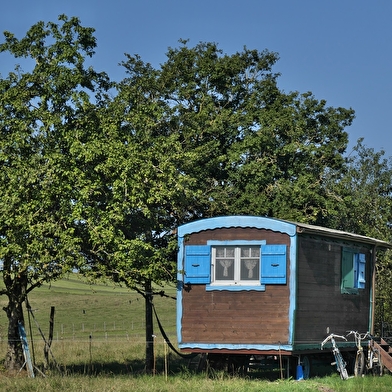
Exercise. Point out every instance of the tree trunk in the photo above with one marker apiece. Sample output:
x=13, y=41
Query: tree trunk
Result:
x=149, y=329
x=16, y=288
x=14, y=358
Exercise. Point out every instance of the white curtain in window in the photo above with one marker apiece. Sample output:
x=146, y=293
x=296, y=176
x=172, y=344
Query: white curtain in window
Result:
x=226, y=264
x=250, y=265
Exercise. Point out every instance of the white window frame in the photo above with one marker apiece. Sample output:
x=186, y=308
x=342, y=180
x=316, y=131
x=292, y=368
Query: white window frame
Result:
x=236, y=282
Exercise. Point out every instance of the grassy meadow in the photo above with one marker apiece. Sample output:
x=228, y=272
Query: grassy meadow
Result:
x=95, y=326
x=99, y=345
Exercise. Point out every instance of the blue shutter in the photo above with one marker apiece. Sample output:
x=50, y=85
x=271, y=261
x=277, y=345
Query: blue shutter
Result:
x=197, y=264
x=273, y=264
x=360, y=266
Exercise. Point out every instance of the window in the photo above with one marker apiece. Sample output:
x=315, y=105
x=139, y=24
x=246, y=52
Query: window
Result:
x=235, y=265
x=353, y=271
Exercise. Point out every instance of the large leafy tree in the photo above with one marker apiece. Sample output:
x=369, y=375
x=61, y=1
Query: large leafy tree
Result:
x=282, y=163
x=215, y=100
x=173, y=127
x=41, y=112
x=205, y=134
x=160, y=160
x=257, y=150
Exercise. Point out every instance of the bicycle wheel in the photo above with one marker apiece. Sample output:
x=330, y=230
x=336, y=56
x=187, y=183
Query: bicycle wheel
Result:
x=359, y=364
x=341, y=366
x=306, y=365
x=377, y=364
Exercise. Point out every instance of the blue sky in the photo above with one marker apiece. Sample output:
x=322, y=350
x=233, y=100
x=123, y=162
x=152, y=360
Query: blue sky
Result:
x=340, y=50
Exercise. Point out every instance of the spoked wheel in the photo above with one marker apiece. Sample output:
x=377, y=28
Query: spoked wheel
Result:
x=306, y=366
x=359, y=364
x=377, y=364
x=341, y=366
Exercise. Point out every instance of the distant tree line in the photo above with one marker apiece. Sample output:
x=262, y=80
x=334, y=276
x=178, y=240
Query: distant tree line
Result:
x=96, y=174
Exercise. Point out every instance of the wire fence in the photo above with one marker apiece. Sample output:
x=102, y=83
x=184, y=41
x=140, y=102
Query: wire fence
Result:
x=104, y=325
x=106, y=345
x=107, y=330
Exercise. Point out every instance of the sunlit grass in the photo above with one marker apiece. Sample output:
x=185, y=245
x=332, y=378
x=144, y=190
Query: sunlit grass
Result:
x=178, y=383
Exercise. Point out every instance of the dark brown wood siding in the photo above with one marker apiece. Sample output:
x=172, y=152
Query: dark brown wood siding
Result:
x=321, y=306
x=243, y=317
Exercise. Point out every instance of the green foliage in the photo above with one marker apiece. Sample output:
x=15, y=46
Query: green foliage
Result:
x=40, y=114
x=282, y=162
x=363, y=194
x=253, y=148
x=214, y=100
x=205, y=134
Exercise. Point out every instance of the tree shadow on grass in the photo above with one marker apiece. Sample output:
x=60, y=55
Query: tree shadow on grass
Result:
x=173, y=365
x=134, y=367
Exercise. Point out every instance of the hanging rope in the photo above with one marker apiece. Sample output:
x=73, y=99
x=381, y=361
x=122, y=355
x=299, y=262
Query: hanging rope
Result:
x=186, y=356
x=162, y=294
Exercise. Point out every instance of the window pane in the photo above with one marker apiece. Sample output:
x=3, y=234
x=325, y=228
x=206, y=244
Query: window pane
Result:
x=250, y=263
x=250, y=269
x=255, y=252
x=230, y=251
x=220, y=252
x=250, y=251
x=347, y=269
x=245, y=252
x=224, y=269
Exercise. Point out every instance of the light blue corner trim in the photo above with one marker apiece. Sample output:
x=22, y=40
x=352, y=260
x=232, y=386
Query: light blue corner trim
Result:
x=259, y=347
x=259, y=222
x=180, y=268
x=293, y=287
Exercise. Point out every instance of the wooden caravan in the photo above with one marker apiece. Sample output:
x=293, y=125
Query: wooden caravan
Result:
x=261, y=286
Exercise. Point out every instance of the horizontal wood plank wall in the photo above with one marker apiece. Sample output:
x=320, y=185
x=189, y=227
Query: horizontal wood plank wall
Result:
x=236, y=317
x=320, y=304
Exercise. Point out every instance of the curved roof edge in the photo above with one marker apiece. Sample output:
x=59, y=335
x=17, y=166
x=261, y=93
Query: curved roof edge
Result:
x=259, y=222
x=283, y=226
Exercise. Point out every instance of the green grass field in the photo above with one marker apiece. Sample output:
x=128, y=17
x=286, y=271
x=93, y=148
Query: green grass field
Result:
x=93, y=324
x=99, y=345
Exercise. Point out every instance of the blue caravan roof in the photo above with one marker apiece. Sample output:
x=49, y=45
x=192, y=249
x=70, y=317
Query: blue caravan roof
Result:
x=283, y=226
